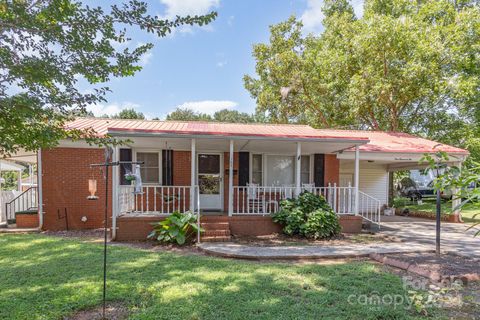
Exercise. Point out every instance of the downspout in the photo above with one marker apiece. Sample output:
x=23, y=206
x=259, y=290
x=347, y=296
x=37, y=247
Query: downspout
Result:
x=115, y=175
x=40, y=189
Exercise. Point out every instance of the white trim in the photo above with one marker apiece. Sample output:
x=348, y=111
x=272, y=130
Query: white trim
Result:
x=264, y=165
x=193, y=175
x=115, y=187
x=160, y=164
x=298, y=168
x=230, y=179
x=40, y=189
x=356, y=178
x=222, y=176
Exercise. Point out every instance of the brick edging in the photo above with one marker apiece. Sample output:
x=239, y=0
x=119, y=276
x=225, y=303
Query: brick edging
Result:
x=411, y=267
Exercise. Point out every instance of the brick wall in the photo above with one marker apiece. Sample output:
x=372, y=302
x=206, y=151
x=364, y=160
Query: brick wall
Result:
x=26, y=220
x=65, y=174
x=332, y=169
x=182, y=168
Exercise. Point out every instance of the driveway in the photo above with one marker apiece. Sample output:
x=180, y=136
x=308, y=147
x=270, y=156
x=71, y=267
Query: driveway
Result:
x=421, y=232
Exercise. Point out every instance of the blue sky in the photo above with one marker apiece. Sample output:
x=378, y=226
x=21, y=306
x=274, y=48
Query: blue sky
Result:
x=202, y=68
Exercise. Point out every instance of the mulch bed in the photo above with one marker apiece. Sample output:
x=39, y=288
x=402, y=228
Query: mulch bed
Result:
x=284, y=240
x=447, y=266
x=96, y=236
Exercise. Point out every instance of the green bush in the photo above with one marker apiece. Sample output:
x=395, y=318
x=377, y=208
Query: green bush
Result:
x=178, y=227
x=308, y=215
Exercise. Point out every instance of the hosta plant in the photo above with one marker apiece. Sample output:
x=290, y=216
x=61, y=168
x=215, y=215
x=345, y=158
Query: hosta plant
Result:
x=176, y=228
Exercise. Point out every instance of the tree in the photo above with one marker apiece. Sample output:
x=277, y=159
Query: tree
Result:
x=129, y=113
x=224, y=115
x=48, y=46
x=185, y=114
x=233, y=116
x=404, y=66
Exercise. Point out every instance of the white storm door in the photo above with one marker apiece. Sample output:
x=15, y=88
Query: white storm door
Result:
x=210, y=180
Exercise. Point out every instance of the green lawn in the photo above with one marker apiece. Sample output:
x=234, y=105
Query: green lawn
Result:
x=44, y=277
x=469, y=210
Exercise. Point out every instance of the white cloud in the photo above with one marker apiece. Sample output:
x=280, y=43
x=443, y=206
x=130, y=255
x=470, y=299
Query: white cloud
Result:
x=208, y=106
x=312, y=17
x=222, y=63
x=110, y=109
x=230, y=20
x=188, y=7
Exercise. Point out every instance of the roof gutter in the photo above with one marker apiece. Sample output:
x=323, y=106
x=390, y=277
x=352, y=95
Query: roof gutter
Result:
x=358, y=141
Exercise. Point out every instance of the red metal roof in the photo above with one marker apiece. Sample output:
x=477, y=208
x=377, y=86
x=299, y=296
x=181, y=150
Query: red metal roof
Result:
x=378, y=141
x=104, y=126
x=382, y=141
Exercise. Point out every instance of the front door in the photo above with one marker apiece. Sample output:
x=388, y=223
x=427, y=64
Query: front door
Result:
x=210, y=180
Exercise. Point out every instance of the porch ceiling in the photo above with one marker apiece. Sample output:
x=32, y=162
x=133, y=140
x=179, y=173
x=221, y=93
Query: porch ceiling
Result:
x=255, y=145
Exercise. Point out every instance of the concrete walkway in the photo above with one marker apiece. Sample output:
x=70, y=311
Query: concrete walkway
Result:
x=417, y=235
x=454, y=236
x=233, y=250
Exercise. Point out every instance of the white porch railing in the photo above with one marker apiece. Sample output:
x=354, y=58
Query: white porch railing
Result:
x=264, y=200
x=157, y=199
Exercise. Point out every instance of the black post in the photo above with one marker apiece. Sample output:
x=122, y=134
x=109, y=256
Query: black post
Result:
x=438, y=215
x=105, y=230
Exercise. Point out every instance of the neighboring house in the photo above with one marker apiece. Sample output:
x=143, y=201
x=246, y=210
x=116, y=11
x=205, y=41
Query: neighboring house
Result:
x=237, y=176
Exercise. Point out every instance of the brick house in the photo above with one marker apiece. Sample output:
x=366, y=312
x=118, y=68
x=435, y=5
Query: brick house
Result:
x=235, y=179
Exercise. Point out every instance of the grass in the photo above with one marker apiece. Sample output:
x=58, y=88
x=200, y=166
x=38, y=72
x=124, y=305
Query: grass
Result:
x=44, y=277
x=470, y=211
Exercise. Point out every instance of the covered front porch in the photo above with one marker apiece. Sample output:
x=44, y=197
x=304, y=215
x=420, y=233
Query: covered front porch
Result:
x=234, y=176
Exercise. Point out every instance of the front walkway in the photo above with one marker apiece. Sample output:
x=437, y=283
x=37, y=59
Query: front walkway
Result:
x=416, y=235
x=233, y=250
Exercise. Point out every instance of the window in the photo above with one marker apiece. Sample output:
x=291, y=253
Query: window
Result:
x=257, y=172
x=305, y=169
x=150, y=169
x=280, y=170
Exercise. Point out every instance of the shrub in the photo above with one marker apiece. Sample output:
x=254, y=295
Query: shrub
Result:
x=308, y=215
x=178, y=227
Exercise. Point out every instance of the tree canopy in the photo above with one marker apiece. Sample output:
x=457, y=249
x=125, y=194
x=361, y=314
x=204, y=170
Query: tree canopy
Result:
x=129, y=113
x=47, y=47
x=224, y=115
x=405, y=65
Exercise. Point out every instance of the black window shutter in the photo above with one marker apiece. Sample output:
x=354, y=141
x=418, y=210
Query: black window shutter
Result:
x=125, y=155
x=319, y=169
x=167, y=167
x=243, y=168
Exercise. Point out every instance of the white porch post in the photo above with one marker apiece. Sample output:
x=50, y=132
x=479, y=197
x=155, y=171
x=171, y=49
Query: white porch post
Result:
x=230, y=180
x=39, y=189
x=456, y=201
x=298, y=169
x=19, y=180
x=192, y=176
x=356, y=179
x=115, y=186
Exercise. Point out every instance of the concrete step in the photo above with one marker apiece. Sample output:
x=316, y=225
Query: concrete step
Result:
x=216, y=233
x=215, y=225
x=216, y=239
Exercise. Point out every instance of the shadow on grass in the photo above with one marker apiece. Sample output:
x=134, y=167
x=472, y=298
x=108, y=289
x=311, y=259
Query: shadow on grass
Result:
x=52, y=278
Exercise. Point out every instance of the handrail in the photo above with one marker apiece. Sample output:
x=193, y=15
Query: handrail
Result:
x=369, y=208
x=24, y=201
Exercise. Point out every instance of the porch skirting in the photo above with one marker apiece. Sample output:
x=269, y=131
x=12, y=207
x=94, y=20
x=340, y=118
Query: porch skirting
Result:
x=136, y=228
